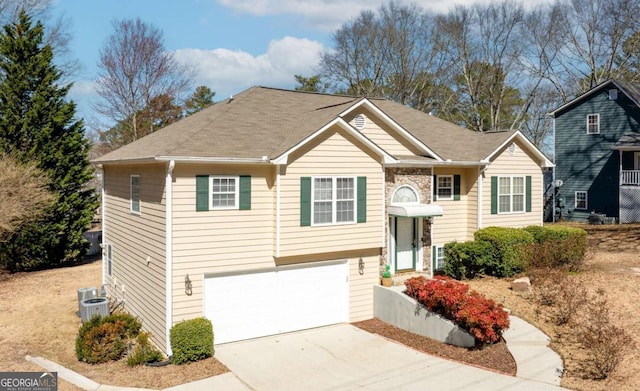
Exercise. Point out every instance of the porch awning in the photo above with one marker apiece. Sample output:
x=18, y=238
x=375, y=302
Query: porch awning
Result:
x=415, y=210
x=628, y=142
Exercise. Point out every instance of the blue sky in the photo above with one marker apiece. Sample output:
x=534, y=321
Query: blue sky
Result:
x=235, y=44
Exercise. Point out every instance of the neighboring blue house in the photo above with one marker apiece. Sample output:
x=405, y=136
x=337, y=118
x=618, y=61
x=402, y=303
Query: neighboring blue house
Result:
x=597, y=153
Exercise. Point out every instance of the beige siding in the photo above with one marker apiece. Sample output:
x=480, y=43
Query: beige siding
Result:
x=138, y=243
x=218, y=241
x=507, y=164
x=361, y=287
x=381, y=134
x=457, y=222
x=336, y=154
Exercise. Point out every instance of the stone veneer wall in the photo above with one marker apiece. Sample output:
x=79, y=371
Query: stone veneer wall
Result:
x=420, y=179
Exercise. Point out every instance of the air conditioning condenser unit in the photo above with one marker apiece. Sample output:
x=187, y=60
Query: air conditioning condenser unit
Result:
x=92, y=307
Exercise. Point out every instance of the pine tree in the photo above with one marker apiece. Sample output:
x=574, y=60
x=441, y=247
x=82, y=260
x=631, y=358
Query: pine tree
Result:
x=37, y=124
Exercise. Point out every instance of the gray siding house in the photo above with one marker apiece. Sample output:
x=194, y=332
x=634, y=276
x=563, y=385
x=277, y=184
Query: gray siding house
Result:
x=597, y=152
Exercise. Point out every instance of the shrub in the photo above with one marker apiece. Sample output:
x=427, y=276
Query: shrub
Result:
x=191, y=340
x=144, y=352
x=605, y=343
x=512, y=249
x=558, y=246
x=467, y=259
x=480, y=316
x=103, y=339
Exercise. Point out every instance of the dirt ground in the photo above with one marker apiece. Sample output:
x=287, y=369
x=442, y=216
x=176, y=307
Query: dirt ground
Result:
x=613, y=264
x=38, y=318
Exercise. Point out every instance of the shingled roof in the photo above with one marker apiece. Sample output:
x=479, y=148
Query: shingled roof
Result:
x=267, y=122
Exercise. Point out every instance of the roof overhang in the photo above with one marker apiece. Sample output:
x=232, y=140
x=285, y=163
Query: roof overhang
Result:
x=415, y=210
x=393, y=124
x=542, y=159
x=284, y=158
x=186, y=159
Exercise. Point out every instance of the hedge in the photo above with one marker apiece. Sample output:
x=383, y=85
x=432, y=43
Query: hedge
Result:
x=512, y=246
x=468, y=259
x=191, y=340
x=558, y=246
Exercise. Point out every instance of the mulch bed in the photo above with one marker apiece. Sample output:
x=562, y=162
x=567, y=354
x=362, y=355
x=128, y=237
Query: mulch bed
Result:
x=495, y=357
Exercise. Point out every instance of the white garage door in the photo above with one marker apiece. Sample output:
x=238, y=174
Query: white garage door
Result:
x=244, y=306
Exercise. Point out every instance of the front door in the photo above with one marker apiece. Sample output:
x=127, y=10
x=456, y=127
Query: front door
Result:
x=405, y=243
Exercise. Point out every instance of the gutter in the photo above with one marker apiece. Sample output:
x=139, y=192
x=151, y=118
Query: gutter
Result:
x=188, y=159
x=169, y=255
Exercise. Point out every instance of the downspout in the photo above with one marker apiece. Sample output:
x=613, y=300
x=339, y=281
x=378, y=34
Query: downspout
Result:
x=480, y=196
x=103, y=223
x=169, y=255
x=553, y=176
x=278, y=175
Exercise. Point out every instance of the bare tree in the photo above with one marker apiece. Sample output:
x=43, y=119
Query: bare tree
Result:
x=593, y=33
x=24, y=194
x=134, y=69
x=390, y=53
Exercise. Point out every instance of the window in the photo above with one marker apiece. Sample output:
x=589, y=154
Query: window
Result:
x=224, y=194
x=511, y=194
x=135, y=194
x=109, y=259
x=438, y=258
x=405, y=194
x=445, y=187
x=333, y=200
x=593, y=123
x=216, y=192
x=581, y=200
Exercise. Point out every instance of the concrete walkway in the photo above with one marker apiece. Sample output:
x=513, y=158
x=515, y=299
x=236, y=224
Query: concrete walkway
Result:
x=343, y=357
x=530, y=349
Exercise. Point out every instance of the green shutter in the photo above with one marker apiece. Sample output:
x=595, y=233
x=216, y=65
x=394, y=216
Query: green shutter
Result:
x=202, y=192
x=305, y=201
x=245, y=192
x=456, y=187
x=362, y=199
x=435, y=188
x=528, y=193
x=494, y=195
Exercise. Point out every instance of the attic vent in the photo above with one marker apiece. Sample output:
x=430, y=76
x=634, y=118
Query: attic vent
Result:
x=359, y=121
x=512, y=148
x=613, y=94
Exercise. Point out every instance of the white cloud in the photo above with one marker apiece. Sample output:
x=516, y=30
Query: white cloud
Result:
x=330, y=14
x=228, y=72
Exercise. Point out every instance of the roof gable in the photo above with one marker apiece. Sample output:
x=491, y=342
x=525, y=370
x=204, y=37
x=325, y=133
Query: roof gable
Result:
x=631, y=90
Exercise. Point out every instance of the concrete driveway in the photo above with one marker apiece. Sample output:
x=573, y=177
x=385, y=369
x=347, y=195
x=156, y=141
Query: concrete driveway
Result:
x=343, y=357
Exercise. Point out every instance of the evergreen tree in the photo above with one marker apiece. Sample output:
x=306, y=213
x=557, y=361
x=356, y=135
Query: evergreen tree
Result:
x=37, y=124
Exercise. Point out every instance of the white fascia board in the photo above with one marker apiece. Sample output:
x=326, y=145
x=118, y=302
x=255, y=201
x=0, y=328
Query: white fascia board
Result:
x=546, y=163
x=389, y=121
x=446, y=163
x=284, y=158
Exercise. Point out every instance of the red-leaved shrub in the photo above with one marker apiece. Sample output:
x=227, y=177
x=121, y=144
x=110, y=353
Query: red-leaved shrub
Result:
x=481, y=317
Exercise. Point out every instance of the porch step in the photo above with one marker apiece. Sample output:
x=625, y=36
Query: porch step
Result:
x=399, y=279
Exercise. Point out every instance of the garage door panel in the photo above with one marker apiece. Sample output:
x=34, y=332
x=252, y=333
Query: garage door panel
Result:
x=289, y=299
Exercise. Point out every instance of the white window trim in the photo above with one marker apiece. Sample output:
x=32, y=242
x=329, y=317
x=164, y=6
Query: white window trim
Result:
x=334, y=200
x=415, y=192
x=511, y=194
x=586, y=200
x=236, y=201
x=438, y=257
x=131, y=209
x=597, y=123
x=440, y=197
